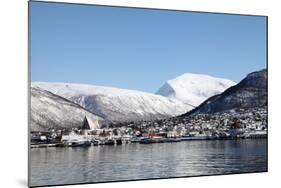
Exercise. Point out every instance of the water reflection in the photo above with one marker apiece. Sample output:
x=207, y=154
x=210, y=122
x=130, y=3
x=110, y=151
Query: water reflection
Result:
x=135, y=161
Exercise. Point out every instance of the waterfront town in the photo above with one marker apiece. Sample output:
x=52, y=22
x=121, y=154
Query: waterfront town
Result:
x=234, y=124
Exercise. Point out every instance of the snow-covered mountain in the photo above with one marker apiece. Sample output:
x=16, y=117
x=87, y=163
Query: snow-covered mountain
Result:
x=51, y=111
x=193, y=89
x=115, y=104
x=250, y=93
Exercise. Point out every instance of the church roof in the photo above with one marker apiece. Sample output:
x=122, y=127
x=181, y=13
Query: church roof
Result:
x=88, y=124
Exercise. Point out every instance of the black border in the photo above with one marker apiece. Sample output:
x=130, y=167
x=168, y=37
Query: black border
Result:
x=132, y=7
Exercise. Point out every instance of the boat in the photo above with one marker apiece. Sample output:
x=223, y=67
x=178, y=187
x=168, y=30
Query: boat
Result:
x=96, y=142
x=146, y=141
x=109, y=142
x=80, y=144
x=197, y=137
x=75, y=140
x=135, y=140
x=170, y=139
x=119, y=141
x=151, y=140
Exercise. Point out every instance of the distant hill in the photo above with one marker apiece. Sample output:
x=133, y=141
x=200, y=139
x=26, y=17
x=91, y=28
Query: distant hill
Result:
x=117, y=105
x=50, y=111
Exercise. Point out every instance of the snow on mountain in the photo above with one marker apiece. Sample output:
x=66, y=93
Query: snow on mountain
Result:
x=250, y=93
x=193, y=89
x=115, y=104
x=51, y=111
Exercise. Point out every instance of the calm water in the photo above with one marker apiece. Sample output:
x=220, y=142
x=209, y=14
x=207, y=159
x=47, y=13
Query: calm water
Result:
x=51, y=166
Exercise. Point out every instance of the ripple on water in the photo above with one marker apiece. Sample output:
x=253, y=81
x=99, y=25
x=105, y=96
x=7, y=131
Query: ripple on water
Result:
x=135, y=161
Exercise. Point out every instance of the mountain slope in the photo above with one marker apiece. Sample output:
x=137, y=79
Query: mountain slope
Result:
x=251, y=92
x=118, y=105
x=194, y=88
x=51, y=111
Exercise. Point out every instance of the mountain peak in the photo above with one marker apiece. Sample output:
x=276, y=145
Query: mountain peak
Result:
x=194, y=88
x=251, y=92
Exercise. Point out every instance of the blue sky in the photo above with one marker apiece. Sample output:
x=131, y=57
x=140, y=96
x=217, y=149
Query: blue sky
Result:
x=139, y=48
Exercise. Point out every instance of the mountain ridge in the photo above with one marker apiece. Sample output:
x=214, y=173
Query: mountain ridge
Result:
x=50, y=111
x=250, y=92
x=115, y=104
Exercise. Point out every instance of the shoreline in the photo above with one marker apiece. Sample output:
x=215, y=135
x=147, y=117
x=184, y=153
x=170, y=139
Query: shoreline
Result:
x=165, y=140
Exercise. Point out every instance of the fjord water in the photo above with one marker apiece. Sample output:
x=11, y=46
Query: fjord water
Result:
x=52, y=166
